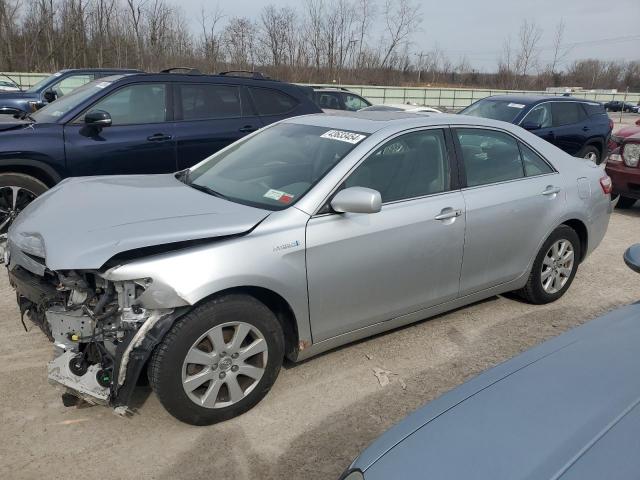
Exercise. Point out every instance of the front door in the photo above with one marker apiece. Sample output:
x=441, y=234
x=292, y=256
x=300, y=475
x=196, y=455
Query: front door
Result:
x=367, y=268
x=140, y=139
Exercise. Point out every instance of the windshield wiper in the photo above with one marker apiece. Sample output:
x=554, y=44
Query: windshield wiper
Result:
x=23, y=115
x=208, y=190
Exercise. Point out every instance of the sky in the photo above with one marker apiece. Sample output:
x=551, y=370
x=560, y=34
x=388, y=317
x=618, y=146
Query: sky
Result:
x=477, y=29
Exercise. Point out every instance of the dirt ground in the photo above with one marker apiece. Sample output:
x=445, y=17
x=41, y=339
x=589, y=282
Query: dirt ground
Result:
x=318, y=416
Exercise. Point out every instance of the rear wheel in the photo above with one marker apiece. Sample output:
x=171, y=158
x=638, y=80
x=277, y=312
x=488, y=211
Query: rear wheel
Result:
x=17, y=190
x=625, y=202
x=591, y=153
x=218, y=361
x=554, y=268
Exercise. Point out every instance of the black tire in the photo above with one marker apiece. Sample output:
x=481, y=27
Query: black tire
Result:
x=625, y=202
x=30, y=188
x=533, y=291
x=591, y=150
x=166, y=363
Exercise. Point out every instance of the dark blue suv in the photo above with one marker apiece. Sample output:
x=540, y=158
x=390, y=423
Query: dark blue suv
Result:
x=51, y=88
x=135, y=124
x=579, y=127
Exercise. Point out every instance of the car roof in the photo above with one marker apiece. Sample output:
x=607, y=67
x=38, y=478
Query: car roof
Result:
x=373, y=121
x=531, y=99
x=203, y=77
x=557, y=409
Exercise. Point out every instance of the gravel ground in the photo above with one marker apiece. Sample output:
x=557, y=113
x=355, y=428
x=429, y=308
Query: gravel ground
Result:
x=320, y=413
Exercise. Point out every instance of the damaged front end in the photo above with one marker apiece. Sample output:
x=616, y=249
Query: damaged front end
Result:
x=102, y=334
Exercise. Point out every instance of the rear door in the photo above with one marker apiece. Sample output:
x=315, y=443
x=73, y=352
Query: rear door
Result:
x=210, y=116
x=570, y=128
x=140, y=139
x=513, y=201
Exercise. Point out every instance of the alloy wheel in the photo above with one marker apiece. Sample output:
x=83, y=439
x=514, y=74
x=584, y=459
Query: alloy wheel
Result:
x=591, y=156
x=224, y=365
x=557, y=266
x=12, y=201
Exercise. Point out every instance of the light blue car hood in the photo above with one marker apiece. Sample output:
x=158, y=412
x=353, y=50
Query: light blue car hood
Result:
x=568, y=409
x=83, y=222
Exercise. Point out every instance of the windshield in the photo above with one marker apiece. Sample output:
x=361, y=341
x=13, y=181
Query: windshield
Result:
x=276, y=167
x=53, y=111
x=504, y=110
x=43, y=82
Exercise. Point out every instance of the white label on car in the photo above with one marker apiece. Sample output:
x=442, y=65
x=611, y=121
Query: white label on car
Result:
x=57, y=74
x=278, y=196
x=102, y=84
x=57, y=113
x=343, y=136
x=516, y=105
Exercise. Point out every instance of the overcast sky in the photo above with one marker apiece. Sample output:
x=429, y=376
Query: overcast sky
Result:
x=606, y=30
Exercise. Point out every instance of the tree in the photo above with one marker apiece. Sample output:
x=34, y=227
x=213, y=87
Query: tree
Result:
x=401, y=18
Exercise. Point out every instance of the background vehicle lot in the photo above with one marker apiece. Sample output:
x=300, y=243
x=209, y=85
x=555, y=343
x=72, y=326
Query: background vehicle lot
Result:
x=318, y=416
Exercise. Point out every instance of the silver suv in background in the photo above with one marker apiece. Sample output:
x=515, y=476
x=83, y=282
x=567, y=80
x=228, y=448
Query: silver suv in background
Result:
x=306, y=235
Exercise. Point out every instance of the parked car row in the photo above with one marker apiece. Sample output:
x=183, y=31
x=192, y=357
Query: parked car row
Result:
x=618, y=106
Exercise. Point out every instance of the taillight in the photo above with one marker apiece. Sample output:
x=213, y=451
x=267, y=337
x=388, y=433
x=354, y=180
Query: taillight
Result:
x=605, y=183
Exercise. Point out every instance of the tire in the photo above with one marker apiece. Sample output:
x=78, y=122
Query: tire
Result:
x=168, y=367
x=625, y=202
x=592, y=154
x=534, y=291
x=28, y=189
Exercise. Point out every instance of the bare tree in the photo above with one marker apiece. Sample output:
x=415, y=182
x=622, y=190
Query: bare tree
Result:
x=401, y=18
x=527, y=56
x=211, y=41
x=135, y=9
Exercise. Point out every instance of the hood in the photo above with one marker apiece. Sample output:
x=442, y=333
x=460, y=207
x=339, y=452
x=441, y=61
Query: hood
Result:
x=83, y=222
x=8, y=122
x=17, y=95
x=548, y=413
x=627, y=131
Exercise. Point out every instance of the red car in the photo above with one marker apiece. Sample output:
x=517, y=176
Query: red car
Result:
x=624, y=169
x=618, y=137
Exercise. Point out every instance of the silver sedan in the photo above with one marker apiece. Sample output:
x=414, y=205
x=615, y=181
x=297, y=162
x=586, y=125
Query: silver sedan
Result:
x=306, y=235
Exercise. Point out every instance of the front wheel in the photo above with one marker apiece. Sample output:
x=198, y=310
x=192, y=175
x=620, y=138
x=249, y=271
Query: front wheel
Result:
x=17, y=190
x=217, y=361
x=554, y=268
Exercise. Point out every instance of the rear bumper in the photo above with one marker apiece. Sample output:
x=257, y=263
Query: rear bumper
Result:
x=626, y=180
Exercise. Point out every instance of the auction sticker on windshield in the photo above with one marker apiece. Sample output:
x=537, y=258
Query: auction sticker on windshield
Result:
x=343, y=136
x=516, y=105
x=277, y=195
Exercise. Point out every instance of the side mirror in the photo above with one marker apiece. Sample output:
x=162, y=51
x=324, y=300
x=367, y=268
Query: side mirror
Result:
x=97, y=118
x=632, y=257
x=531, y=126
x=357, y=200
x=49, y=96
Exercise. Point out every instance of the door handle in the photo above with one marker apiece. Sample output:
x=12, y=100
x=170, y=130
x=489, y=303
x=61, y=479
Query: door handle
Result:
x=551, y=190
x=159, y=137
x=448, y=213
x=248, y=129
x=585, y=129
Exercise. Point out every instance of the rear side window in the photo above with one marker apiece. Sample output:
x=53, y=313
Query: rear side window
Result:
x=209, y=101
x=533, y=163
x=540, y=114
x=272, y=102
x=567, y=113
x=329, y=100
x=594, y=109
x=489, y=156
